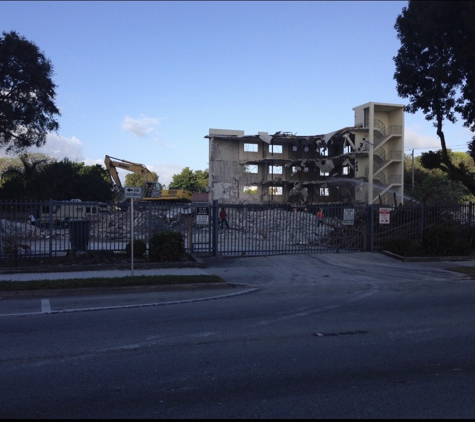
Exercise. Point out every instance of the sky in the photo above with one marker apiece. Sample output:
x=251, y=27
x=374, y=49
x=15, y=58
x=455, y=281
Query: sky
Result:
x=145, y=81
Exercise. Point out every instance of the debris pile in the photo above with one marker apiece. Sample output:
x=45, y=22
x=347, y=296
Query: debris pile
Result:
x=115, y=226
x=279, y=225
x=275, y=226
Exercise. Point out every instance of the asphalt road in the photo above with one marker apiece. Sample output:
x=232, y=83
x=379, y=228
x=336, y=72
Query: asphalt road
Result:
x=305, y=336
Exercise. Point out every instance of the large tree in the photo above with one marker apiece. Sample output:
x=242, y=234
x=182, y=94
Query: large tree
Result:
x=434, y=186
x=43, y=179
x=95, y=184
x=435, y=70
x=15, y=161
x=27, y=94
x=66, y=180
x=134, y=179
x=22, y=180
x=194, y=181
x=202, y=177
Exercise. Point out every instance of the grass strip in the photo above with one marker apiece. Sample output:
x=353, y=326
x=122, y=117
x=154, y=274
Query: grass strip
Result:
x=75, y=283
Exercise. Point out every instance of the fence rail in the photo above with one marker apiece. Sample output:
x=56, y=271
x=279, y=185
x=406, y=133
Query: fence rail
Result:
x=62, y=226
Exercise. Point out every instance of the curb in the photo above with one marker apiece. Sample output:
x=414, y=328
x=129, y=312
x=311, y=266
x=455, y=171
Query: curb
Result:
x=80, y=291
x=196, y=263
x=427, y=258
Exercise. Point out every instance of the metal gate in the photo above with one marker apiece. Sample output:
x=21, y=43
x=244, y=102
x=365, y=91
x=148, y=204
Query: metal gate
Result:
x=251, y=229
x=283, y=229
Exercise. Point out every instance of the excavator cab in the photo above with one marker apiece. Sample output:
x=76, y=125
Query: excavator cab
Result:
x=152, y=190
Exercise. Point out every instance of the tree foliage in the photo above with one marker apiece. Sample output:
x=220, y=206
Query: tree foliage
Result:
x=194, y=181
x=435, y=70
x=203, y=179
x=43, y=179
x=133, y=179
x=24, y=179
x=27, y=94
x=433, y=186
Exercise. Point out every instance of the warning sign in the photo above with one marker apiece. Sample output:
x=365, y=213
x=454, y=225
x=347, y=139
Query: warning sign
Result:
x=202, y=215
x=384, y=214
x=348, y=216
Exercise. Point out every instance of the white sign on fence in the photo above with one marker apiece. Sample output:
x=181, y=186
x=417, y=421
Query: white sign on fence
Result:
x=202, y=215
x=384, y=215
x=348, y=216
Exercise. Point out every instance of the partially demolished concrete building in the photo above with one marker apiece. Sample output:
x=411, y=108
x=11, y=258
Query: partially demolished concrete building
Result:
x=363, y=163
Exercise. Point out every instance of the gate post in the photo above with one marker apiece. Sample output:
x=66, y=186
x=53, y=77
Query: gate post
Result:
x=50, y=228
x=215, y=227
x=421, y=228
x=470, y=214
x=1, y=248
x=371, y=228
x=149, y=234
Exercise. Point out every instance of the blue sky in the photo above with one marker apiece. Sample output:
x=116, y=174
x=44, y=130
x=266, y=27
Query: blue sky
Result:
x=145, y=81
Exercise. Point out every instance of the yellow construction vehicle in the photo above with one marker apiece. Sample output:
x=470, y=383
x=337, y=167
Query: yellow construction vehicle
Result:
x=152, y=190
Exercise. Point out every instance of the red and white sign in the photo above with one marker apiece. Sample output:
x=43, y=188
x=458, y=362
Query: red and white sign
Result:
x=384, y=215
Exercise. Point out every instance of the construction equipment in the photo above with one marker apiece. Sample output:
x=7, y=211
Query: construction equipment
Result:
x=152, y=190
x=62, y=212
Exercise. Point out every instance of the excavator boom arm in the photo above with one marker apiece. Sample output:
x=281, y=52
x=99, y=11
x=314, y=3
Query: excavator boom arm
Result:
x=112, y=170
x=155, y=193
x=113, y=163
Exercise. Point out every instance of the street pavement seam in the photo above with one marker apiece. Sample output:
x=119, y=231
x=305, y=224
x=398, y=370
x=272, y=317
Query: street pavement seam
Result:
x=307, y=312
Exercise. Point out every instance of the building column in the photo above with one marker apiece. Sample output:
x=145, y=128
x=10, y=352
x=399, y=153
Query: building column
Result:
x=370, y=155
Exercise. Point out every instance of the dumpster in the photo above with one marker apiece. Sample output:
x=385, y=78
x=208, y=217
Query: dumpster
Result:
x=79, y=234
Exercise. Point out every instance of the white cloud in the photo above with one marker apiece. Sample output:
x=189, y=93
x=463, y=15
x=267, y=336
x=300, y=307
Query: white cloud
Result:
x=414, y=140
x=59, y=147
x=166, y=171
x=141, y=127
x=93, y=162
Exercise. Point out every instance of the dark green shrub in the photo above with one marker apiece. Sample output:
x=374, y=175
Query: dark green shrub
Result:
x=400, y=246
x=139, y=248
x=445, y=241
x=167, y=246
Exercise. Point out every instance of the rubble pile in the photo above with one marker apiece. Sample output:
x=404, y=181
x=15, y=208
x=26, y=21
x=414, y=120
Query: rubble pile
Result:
x=115, y=226
x=248, y=226
x=19, y=230
x=272, y=225
x=278, y=225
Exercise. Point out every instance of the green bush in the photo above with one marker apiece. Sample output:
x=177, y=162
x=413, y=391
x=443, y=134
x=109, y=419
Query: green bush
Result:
x=139, y=248
x=445, y=241
x=400, y=246
x=167, y=246
x=472, y=238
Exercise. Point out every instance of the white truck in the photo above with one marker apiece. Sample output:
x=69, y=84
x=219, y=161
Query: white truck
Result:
x=63, y=211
